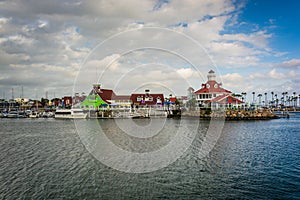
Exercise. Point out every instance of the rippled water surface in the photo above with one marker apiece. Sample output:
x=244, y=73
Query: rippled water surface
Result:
x=45, y=159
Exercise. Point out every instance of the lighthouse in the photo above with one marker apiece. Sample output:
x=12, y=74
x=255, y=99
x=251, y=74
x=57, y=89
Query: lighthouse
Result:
x=212, y=92
x=211, y=75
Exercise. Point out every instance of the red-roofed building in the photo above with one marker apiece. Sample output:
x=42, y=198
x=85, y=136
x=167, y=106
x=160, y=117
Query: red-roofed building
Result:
x=226, y=99
x=173, y=99
x=147, y=99
x=111, y=98
x=67, y=101
x=212, y=92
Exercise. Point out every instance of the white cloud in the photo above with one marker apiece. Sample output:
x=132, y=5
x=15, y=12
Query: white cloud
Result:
x=273, y=74
x=234, y=77
x=276, y=75
x=293, y=63
x=3, y=21
x=258, y=39
x=72, y=33
x=54, y=38
x=186, y=72
x=257, y=76
x=20, y=39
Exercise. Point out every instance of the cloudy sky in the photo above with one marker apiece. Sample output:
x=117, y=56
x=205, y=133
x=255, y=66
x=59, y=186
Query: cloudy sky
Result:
x=61, y=47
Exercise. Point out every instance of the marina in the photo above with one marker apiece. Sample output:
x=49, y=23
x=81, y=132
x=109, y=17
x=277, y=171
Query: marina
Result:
x=205, y=103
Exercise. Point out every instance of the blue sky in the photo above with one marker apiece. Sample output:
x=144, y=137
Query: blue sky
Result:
x=280, y=18
x=62, y=47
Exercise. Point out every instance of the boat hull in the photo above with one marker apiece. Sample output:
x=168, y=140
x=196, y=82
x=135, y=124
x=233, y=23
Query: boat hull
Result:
x=70, y=114
x=83, y=116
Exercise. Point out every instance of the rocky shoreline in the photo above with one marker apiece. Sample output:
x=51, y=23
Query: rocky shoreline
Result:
x=265, y=114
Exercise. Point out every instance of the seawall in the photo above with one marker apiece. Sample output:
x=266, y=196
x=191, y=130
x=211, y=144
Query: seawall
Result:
x=232, y=114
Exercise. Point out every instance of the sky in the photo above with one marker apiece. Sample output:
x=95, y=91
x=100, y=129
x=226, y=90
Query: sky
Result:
x=62, y=47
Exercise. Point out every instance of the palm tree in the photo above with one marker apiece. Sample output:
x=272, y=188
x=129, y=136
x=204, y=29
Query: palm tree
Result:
x=237, y=95
x=272, y=93
x=283, y=101
x=295, y=99
x=290, y=100
x=259, y=98
x=266, y=99
x=276, y=100
x=253, y=93
x=244, y=94
x=287, y=100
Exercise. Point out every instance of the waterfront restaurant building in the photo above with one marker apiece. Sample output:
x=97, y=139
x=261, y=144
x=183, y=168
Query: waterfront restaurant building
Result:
x=211, y=94
x=100, y=97
x=110, y=97
x=147, y=99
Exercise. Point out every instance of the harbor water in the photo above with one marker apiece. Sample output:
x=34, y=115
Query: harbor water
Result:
x=47, y=159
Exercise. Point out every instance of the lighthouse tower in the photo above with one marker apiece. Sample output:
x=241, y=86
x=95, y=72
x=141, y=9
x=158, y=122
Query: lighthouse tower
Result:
x=210, y=90
x=212, y=94
x=211, y=76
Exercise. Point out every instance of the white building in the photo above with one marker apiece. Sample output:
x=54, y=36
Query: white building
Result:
x=212, y=92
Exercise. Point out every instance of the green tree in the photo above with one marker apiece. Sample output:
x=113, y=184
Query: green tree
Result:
x=191, y=104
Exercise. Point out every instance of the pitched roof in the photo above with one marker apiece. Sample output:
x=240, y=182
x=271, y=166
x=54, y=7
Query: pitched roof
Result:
x=212, y=87
x=226, y=98
x=121, y=97
x=108, y=95
x=93, y=100
x=173, y=99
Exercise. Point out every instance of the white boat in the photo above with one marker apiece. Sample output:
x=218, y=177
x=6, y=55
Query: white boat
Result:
x=70, y=114
x=33, y=115
x=130, y=115
x=47, y=114
x=14, y=114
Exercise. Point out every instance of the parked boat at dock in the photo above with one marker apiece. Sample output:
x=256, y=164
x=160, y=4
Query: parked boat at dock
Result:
x=15, y=114
x=70, y=114
x=33, y=115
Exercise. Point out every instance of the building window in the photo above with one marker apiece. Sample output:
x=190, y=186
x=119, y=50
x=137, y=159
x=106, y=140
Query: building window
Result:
x=139, y=98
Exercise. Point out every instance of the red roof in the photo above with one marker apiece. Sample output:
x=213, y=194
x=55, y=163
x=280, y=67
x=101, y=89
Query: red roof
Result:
x=226, y=98
x=173, y=99
x=140, y=99
x=184, y=98
x=212, y=87
x=121, y=97
x=145, y=99
x=108, y=95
